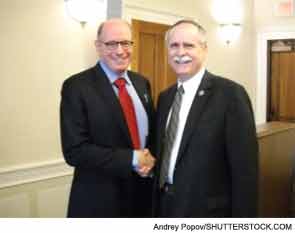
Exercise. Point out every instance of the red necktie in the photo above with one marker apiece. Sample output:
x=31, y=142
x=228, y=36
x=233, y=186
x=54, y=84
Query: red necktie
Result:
x=129, y=112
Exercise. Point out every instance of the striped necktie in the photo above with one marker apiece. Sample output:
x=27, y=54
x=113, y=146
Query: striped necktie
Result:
x=170, y=135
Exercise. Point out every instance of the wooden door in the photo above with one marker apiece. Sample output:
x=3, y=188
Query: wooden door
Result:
x=150, y=55
x=282, y=86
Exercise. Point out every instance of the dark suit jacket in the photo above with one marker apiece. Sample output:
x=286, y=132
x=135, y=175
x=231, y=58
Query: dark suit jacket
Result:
x=96, y=141
x=216, y=169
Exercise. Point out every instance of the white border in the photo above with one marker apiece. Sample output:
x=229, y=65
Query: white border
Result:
x=33, y=172
x=261, y=84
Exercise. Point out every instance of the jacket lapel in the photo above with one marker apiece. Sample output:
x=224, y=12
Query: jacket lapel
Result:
x=199, y=103
x=142, y=92
x=163, y=113
x=111, y=101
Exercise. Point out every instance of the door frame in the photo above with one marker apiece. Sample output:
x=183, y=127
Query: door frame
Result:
x=262, y=73
x=131, y=11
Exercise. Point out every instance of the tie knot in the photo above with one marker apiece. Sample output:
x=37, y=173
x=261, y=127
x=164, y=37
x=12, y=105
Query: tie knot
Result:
x=120, y=82
x=180, y=89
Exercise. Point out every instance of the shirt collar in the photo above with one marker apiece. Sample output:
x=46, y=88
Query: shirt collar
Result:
x=111, y=75
x=192, y=83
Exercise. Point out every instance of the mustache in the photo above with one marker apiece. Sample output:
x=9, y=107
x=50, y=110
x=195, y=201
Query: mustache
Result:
x=182, y=59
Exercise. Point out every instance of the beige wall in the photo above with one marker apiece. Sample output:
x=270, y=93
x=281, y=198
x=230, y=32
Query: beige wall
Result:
x=268, y=27
x=40, y=47
x=266, y=20
x=236, y=60
x=186, y=8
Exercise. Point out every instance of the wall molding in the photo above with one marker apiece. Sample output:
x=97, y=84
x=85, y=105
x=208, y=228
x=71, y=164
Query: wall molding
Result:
x=33, y=172
x=131, y=11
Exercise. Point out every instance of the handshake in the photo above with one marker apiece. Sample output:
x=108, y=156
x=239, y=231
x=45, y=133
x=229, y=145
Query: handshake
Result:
x=146, y=162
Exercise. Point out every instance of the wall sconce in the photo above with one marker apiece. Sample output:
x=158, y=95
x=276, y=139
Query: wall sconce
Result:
x=230, y=32
x=85, y=11
x=228, y=15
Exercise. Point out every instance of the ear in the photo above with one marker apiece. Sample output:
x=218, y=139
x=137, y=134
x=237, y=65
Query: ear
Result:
x=97, y=45
x=204, y=45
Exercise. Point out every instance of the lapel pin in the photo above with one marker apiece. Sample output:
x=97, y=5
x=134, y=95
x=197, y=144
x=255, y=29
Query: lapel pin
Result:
x=201, y=93
x=146, y=98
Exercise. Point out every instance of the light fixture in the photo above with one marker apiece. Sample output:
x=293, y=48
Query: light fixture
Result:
x=85, y=11
x=228, y=14
x=229, y=32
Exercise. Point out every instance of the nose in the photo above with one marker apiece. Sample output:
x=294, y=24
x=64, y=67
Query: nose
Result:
x=119, y=49
x=180, y=50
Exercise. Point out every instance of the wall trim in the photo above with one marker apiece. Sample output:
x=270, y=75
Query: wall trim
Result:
x=33, y=172
x=131, y=11
x=261, y=85
x=152, y=11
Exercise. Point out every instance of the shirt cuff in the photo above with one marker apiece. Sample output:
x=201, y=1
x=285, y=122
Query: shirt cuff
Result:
x=135, y=161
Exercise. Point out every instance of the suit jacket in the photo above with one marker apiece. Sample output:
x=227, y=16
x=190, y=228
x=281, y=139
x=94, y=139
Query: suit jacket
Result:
x=97, y=143
x=216, y=168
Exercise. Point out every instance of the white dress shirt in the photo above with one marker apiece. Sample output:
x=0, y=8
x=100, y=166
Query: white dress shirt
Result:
x=190, y=87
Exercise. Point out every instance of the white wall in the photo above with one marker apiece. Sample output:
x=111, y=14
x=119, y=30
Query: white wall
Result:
x=46, y=198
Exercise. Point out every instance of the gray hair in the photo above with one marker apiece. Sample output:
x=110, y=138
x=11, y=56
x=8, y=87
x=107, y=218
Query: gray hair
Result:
x=201, y=31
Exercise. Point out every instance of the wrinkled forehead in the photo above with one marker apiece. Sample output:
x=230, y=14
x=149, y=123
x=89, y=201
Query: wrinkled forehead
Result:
x=184, y=33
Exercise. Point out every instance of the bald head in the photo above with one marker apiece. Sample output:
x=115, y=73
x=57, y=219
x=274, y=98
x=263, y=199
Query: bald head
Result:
x=112, y=23
x=114, y=44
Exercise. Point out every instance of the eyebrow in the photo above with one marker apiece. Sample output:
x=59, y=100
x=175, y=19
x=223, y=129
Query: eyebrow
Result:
x=182, y=43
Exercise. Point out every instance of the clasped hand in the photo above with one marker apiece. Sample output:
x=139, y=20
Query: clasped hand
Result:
x=146, y=162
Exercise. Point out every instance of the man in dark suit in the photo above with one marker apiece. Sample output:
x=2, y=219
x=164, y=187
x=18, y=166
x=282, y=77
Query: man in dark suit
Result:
x=106, y=115
x=206, y=137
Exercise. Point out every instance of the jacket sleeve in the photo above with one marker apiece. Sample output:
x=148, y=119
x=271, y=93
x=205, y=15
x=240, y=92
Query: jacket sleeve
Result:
x=242, y=151
x=78, y=148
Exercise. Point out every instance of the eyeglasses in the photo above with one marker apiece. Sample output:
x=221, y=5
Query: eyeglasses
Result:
x=112, y=45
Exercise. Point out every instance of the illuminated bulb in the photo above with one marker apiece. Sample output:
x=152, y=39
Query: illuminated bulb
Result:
x=227, y=11
x=87, y=10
